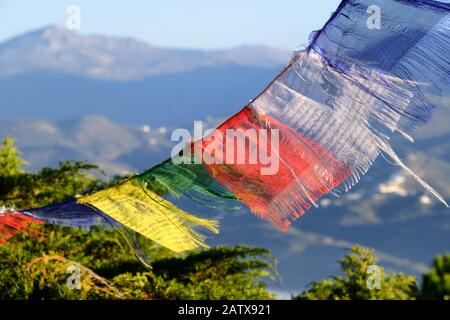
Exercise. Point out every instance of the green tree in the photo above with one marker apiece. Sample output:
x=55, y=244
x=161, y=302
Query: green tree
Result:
x=436, y=282
x=358, y=283
x=33, y=269
x=10, y=161
x=22, y=189
x=37, y=268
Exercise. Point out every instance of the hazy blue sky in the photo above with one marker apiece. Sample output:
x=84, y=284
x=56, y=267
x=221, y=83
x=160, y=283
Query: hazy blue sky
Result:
x=178, y=23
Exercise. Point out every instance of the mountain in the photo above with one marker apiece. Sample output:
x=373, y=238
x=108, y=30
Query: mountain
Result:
x=115, y=102
x=163, y=100
x=61, y=50
x=387, y=210
x=56, y=74
x=92, y=138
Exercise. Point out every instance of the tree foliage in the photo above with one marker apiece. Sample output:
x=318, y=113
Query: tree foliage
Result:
x=108, y=269
x=10, y=161
x=41, y=268
x=25, y=190
x=358, y=283
x=38, y=269
x=436, y=282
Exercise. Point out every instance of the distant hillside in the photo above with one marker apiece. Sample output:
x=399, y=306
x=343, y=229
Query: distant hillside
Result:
x=387, y=210
x=171, y=100
x=56, y=74
x=114, y=102
x=61, y=50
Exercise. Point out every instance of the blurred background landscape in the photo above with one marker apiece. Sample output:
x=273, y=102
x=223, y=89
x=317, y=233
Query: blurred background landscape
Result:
x=114, y=101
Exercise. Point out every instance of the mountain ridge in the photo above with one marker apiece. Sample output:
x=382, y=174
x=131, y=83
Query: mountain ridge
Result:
x=123, y=124
x=56, y=48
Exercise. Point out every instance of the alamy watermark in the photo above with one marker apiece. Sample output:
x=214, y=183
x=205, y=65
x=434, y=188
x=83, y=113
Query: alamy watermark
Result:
x=236, y=146
x=73, y=21
x=74, y=280
x=374, y=20
x=374, y=280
